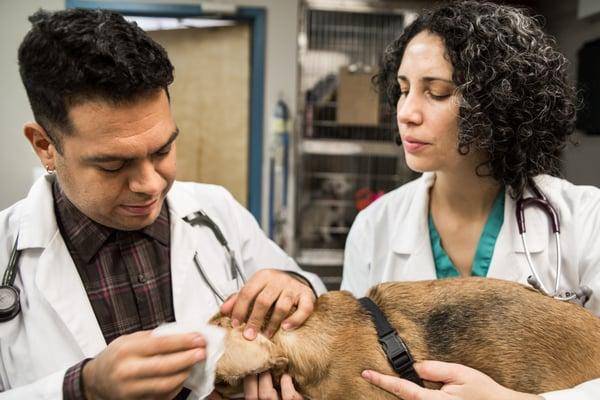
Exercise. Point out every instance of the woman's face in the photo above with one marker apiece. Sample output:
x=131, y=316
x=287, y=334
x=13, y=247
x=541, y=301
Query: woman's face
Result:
x=427, y=110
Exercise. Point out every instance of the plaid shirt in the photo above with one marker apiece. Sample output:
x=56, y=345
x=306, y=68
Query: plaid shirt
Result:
x=126, y=275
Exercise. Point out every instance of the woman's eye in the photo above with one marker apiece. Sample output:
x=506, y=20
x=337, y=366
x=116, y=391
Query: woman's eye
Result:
x=438, y=96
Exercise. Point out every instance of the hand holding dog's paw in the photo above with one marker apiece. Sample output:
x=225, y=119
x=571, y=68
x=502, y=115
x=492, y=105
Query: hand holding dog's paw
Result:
x=458, y=383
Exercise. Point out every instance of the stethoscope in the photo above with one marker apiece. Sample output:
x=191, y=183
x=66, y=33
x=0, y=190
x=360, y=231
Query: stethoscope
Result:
x=200, y=218
x=583, y=293
x=10, y=304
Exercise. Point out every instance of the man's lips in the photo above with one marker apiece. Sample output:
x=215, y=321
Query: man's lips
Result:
x=140, y=209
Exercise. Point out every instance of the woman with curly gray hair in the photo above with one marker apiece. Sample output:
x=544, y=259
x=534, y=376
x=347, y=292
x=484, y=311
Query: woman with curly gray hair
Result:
x=484, y=108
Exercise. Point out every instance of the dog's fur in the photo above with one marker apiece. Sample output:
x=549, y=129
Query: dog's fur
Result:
x=520, y=338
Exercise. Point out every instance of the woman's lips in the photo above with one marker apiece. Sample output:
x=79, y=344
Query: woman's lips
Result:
x=142, y=209
x=412, y=145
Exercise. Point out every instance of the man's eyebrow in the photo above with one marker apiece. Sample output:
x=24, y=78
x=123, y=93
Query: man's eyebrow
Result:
x=427, y=79
x=102, y=158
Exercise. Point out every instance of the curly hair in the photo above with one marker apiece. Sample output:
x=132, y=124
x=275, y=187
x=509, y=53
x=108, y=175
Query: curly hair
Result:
x=516, y=103
x=75, y=55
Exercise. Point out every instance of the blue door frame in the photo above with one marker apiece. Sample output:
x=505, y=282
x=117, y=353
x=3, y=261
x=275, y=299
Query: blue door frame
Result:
x=257, y=18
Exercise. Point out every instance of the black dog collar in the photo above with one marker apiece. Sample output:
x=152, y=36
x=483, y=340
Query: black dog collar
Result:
x=395, y=349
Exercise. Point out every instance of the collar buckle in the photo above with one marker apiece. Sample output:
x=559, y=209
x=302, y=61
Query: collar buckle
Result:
x=397, y=353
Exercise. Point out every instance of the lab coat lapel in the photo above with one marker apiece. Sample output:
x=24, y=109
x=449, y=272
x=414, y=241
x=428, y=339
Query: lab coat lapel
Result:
x=59, y=282
x=410, y=238
x=193, y=301
x=56, y=276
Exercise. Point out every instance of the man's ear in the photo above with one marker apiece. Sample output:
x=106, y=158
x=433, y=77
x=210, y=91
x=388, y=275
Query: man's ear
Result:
x=41, y=144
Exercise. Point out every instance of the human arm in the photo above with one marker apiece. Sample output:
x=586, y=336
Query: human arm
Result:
x=459, y=382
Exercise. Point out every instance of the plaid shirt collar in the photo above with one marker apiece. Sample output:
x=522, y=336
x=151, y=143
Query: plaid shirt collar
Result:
x=88, y=236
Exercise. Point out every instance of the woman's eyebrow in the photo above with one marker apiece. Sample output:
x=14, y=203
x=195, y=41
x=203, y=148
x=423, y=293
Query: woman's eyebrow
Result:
x=427, y=79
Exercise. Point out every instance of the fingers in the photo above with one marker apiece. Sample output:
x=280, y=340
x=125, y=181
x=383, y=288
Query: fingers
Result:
x=245, y=298
x=401, y=388
x=282, y=309
x=262, y=304
x=227, y=306
x=439, y=371
x=288, y=391
x=266, y=391
x=166, y=364
x=251, y=387
x=265, y=290
x=144, y=343
x=260, y=387
x=306, y=305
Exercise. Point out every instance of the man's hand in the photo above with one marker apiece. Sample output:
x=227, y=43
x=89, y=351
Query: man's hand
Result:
x=260, y=387
x=141, y=365
x=459, y=383
x=266, y=288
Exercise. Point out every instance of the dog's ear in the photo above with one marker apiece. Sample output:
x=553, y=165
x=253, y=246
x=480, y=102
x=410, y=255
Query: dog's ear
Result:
x=246, y=357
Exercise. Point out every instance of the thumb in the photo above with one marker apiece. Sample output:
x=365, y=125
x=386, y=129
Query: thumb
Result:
x=439, y=371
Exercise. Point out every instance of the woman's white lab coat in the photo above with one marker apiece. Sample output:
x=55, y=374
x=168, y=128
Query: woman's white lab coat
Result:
x=57, y=327
x=389, y=241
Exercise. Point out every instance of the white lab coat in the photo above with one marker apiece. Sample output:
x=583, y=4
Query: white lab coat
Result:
x=389, y=241
x=57, y=327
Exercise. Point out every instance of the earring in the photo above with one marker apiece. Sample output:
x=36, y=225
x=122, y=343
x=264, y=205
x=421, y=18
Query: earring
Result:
x=49, y=170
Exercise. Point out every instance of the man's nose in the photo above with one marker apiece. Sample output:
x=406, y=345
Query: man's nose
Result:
x=145, y=179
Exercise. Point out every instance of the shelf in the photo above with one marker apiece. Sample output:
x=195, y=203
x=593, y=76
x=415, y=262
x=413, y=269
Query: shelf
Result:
x=349, y=147
x=321, y=257
x=351, y=175
x=331, y=203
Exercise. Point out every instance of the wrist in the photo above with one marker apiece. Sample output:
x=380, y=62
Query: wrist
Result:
x=302, y=280
x=87, y=380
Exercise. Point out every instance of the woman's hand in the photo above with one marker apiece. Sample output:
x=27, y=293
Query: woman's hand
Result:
x=459, y=383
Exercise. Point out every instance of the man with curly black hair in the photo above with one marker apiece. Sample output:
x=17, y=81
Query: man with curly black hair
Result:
x=484, y=108
x=101, y=253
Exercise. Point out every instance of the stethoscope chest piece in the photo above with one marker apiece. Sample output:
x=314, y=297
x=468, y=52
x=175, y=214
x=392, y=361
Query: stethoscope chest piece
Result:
x=9, y=303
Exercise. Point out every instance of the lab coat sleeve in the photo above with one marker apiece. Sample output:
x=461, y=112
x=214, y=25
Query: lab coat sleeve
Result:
x=588, y=232
x=259, y=252
x=588, y=225
x=589, y=390
x=357, y=260
x=47, y=388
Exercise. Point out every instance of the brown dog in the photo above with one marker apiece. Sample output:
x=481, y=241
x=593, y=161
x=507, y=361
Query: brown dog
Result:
x=520, y=338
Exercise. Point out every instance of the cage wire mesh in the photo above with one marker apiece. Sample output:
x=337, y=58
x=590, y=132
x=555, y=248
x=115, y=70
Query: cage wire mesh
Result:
x=346, y=155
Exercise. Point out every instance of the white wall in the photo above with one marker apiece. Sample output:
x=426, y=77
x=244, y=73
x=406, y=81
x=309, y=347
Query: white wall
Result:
x=18, y=161
x=582, y=162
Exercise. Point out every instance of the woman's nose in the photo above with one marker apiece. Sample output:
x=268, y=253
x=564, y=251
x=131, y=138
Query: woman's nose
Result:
x=409, y=110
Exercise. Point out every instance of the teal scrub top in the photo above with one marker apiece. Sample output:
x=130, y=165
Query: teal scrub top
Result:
x=444, y=268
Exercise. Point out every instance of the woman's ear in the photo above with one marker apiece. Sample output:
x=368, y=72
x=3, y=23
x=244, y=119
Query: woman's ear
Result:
x=41, y=144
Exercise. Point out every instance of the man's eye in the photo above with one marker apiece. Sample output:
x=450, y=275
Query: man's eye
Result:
x=111, y=168
x=164, y=152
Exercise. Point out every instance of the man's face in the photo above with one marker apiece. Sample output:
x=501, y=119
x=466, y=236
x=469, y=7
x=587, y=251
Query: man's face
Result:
x=119, y=163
